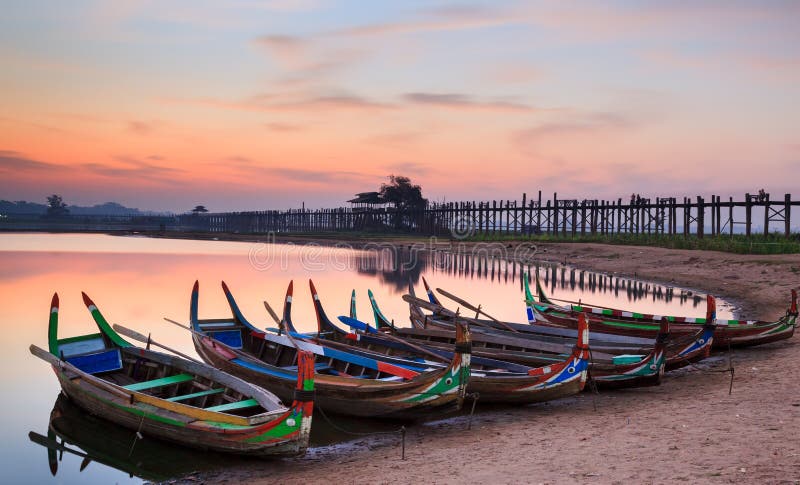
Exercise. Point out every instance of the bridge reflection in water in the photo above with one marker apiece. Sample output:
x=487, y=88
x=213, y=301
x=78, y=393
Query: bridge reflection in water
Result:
x=397, y=266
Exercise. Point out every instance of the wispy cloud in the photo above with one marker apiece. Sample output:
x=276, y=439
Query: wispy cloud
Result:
x=411, y=168
x=268, y=103
x=140, y=127
x=15, y=162
x=288, y=49
x=581, y=124
x=283, y=127
x=311, y=102
x=520, y=73
x=400, y=138
x=129, y=168
x=318, y=176
x=436, y=19
x=248, y=167
x=463, y=101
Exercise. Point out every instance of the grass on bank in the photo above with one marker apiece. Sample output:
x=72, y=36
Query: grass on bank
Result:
x=775, y=243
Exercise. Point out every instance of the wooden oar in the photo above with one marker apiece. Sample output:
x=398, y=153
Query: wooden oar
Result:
x=444, y=311
x=415, y=347
x=281, y=323
x=388, y=336
x=469, y=306
x=466, y=304
x=227, y=347
x=580, y=303
x=274, y=316
x=53, y=445
x=147, y=340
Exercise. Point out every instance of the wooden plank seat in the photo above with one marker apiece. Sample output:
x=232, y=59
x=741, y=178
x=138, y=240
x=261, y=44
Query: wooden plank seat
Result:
x=164, y=381
x=391, y=379
x=211, y=323
x=186, y=397
x=321, y=367
x=89, y=353
x=231, y=338
x=97, y=362
x=83, y=344
x=231, y=406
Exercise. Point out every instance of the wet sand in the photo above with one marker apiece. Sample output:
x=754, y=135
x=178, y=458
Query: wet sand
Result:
x=689, y=429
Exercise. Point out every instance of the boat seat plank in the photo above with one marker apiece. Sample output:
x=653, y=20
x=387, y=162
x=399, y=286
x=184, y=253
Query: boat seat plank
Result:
x=193, y=395
x=164, y=381
x=231, y=338
x=97, y=362
x=247, y=403
x=321, y=367
x=217, y=322
x=86, y=344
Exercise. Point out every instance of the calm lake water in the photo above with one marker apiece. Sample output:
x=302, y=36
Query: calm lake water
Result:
x=136, y=281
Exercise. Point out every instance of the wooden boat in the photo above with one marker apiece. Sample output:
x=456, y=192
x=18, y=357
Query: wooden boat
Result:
x=72, y=431
x=679, y=350
x=441, y=316
x=728, y=333
x=175, y=399
x=608, y=371
x=492, y=380
x=346, y=383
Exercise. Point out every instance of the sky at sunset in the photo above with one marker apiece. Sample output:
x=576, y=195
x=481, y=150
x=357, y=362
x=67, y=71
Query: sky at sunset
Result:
x=243, y=104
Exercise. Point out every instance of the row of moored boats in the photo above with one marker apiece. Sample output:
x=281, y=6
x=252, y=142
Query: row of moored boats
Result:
x=255, y=390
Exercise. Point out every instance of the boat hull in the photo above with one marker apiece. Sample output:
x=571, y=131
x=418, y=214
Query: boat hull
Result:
x=135, y=417
x=342, y=395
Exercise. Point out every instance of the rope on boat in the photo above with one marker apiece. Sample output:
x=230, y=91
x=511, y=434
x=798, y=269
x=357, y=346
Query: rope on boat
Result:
x=592, y=381
x=354, y=433
x=401, y=430
x=138, y=436
x=730, y=366
x=474, y=397
x=403, y=441
x=731, y=369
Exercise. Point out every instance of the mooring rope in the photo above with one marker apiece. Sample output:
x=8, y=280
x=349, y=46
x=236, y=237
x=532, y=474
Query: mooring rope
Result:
x=138, y=436
x=592, y=381
x=355, y=433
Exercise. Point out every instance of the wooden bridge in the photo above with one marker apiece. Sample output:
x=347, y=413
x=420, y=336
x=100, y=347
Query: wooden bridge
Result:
x=566, y=217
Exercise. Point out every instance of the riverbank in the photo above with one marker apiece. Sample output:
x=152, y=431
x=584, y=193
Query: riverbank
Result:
x=687, y=429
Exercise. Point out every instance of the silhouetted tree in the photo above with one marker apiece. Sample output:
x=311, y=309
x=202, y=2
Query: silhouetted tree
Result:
x=56, y=206
x=402, y=193
x=408, y=200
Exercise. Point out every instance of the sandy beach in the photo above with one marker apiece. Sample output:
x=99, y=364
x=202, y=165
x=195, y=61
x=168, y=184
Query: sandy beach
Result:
x=689, y=429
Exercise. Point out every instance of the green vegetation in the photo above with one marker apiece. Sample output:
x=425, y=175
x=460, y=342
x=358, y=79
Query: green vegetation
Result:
x=775, y=243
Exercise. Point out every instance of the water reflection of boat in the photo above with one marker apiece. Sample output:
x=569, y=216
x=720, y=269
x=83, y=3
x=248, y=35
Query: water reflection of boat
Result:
x=72, y=431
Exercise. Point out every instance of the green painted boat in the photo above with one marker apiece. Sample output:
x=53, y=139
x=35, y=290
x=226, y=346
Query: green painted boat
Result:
x=727, y=333
x=175, y=399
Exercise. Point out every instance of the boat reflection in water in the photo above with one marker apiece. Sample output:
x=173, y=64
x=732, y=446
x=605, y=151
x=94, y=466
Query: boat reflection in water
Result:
x=73, y=431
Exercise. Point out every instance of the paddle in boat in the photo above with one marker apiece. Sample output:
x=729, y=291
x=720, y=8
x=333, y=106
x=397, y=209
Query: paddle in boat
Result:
x=493, y=380
x=635, y=365
x=175, y=399
x=680, y=350
x=346, y=383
